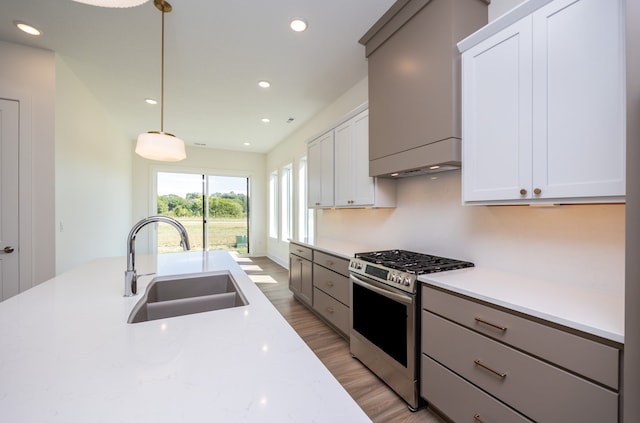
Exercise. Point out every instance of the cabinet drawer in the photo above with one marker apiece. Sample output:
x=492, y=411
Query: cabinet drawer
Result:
x=334, y=263
x=458, y=399
x=576, y=354
x=332, y=310
x=332, y=283
x=302, y=251
x=538, y=390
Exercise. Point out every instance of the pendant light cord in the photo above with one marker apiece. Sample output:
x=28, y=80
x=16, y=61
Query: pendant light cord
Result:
x=162, y=79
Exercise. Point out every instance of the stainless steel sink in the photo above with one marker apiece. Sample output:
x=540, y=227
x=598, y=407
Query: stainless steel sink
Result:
x=178, y=295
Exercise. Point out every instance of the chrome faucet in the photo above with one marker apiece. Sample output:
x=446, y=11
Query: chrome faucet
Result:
x=130, y=275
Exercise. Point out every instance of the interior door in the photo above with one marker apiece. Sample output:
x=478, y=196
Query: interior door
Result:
x=9, y=221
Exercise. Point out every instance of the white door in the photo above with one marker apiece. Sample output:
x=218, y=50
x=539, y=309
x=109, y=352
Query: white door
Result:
x=496, y=129
x=9, y=147
x=353, y=185
x=320, y=164
x=579, y=99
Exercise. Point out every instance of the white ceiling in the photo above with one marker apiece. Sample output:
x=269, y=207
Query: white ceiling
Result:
x=215, y=53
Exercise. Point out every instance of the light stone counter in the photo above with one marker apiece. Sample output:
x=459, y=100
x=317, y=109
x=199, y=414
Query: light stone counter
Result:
x=588, y=310
x=68, y=355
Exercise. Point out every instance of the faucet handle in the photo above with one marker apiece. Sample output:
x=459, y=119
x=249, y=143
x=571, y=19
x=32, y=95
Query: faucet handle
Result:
x=130, y=283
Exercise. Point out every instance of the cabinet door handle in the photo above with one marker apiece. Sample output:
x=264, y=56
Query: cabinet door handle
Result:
x=330, y=310
x=494, y=325
x=477, y=418
x=329, y=283
x=523, y=191
x=484, y=366
x=537, y=191
x=330, y=263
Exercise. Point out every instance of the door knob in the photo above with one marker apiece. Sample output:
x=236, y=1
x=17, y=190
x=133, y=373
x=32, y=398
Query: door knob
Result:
x=8, y=250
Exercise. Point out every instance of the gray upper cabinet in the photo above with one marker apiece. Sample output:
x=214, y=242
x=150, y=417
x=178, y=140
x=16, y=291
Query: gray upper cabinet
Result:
x=414, y=84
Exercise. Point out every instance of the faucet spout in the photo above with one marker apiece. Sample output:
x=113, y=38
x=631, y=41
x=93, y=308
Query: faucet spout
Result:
x=130, y=275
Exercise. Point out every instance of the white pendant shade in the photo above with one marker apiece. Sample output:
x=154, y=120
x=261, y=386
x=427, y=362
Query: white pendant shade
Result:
x=160, y=146
x=112, y=3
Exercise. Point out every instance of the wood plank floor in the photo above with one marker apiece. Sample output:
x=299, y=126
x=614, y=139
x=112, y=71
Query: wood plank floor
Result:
x=377, y=400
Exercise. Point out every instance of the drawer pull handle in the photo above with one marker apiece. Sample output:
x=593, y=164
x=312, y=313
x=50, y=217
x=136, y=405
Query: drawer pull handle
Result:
x=299, y=250
x=329, y=283
x=330, y=263
x=330, y=310
x=477, y=418
x=480, y=320
x=484, y=366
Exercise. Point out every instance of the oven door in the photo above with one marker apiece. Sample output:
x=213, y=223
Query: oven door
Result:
x=383, y=334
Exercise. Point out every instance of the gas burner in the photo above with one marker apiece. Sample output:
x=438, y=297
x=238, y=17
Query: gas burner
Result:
x=410, y=262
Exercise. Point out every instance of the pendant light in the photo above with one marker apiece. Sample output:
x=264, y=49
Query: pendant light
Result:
x=160, y=145
x=112, y=3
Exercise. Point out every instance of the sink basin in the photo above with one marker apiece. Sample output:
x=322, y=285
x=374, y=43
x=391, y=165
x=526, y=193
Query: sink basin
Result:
x=178, y=295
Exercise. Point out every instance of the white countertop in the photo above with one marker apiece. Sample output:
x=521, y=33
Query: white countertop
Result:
x=591, y=311
x=68, y=355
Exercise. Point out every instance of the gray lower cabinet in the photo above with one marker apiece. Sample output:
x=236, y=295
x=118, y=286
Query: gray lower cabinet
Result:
x=320, y=280
x=331, y=290
x=301, y=273
x=502, y=367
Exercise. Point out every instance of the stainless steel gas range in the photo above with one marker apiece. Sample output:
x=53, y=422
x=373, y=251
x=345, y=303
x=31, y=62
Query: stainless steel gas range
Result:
x=385, y=311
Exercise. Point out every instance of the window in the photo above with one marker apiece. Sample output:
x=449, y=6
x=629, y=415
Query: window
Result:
x=213, y=209
x=273, y=204
x=286, y=207
x=303, y=217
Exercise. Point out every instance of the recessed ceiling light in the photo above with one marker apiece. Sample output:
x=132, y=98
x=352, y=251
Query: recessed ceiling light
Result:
x=151, y=101
x=265, y=120
x=246, y=144
x=31, y=30
x=264, y=84
x=298, y=25
x=200, y=144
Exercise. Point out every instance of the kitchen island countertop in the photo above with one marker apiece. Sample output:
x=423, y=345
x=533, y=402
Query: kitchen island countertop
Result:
x=68, y=355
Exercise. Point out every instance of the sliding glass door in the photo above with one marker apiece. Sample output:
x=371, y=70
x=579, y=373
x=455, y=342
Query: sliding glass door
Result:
x=214, y=210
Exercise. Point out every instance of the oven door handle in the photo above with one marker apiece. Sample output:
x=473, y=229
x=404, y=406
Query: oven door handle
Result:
x=404, y=299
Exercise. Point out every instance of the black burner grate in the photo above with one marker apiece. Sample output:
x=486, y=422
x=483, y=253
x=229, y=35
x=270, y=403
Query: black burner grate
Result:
x=411, y=262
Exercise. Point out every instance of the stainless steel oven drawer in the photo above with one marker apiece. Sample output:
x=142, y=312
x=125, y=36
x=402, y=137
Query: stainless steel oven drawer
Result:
x=332, y=310
x=537, y=389
x=459, y=400
x=577, y=353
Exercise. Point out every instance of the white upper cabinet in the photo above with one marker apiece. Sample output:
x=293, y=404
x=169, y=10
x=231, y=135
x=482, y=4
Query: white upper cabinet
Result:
x=348, y=170
x=320, y=171
x=544, y=105
x=353, y=183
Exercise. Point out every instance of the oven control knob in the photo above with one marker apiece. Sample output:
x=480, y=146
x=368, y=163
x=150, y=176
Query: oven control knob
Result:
x=407, y=281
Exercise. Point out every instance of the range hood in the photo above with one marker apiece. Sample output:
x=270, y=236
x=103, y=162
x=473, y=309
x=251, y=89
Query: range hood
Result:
x=439, y=156
x=414, y=85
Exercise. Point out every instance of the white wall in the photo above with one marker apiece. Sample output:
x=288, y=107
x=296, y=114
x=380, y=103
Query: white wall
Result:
x=500, y=7
x=574, y=244
x=291, y=149
x=93, y=176
x=217, y=162
x=28, y=75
